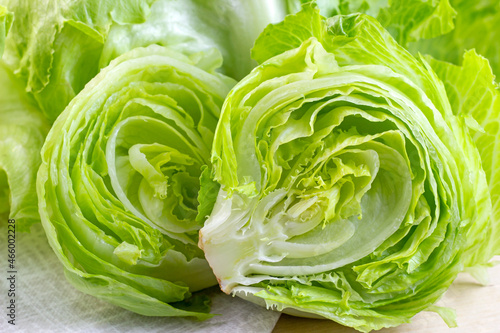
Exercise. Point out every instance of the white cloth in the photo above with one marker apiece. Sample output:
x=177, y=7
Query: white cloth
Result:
x=46, y=302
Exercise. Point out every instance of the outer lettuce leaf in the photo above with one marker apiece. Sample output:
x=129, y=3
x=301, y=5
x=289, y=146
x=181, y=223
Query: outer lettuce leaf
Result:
x=5, y=23
x=476, y=26
x=231, y=26
x=406, y=20
x=119, y=180
x=473, y=92
x=350, y=189
x=57, y=47
x=22, y=132
x=296, y=29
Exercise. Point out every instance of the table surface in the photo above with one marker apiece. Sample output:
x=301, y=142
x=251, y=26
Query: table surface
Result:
x=477, y=308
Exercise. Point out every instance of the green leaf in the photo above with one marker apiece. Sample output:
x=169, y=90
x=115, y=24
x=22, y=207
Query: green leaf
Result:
x=476, y=27
x=473, y=92
x=194, y=26
x=57, y=47
x=22, y=132
x=207, y=195
x=406, y=20
x=5, y=24
x=289, y=34
x=409, y=21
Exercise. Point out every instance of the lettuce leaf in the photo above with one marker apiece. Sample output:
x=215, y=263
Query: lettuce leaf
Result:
x=474, y=94
x=476, y=27
x=22, y=131
x=54, y=47
x=57, y=48
x=5, y=23
x=406, y=20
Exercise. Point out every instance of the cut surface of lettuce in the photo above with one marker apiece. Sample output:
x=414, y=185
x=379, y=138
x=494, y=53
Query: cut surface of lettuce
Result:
x=56, y=47
x=350, y=185
x=119, y=181
x=22, y=131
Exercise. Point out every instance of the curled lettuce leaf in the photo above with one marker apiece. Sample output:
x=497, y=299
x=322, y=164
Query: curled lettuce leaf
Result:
x=22, y=131
x=57, y=47
x=119, y=180
x=351, y=188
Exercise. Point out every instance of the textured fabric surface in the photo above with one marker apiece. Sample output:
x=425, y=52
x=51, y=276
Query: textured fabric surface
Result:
x=46, y=302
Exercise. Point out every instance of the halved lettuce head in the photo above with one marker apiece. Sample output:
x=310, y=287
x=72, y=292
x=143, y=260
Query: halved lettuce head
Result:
x=119, y=181
x=351, y=188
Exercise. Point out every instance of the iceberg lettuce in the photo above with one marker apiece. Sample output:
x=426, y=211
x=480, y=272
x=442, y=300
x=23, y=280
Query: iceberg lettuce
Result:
x=119, y=180
x=351, y=187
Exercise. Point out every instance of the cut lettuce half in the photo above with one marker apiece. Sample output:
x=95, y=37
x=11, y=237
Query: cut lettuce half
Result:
x=350, y=185
x=119, y=181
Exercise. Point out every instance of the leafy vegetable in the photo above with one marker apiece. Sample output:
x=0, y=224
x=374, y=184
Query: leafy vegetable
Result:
x=474, y=94
x=119, y=180
x=348, y=178
x=406, y=20
x=5, y=23
x=196, y=25
x=22, y=132
x=351, y=188
x=57, y=47
x=476, y=27
x=442, y=28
